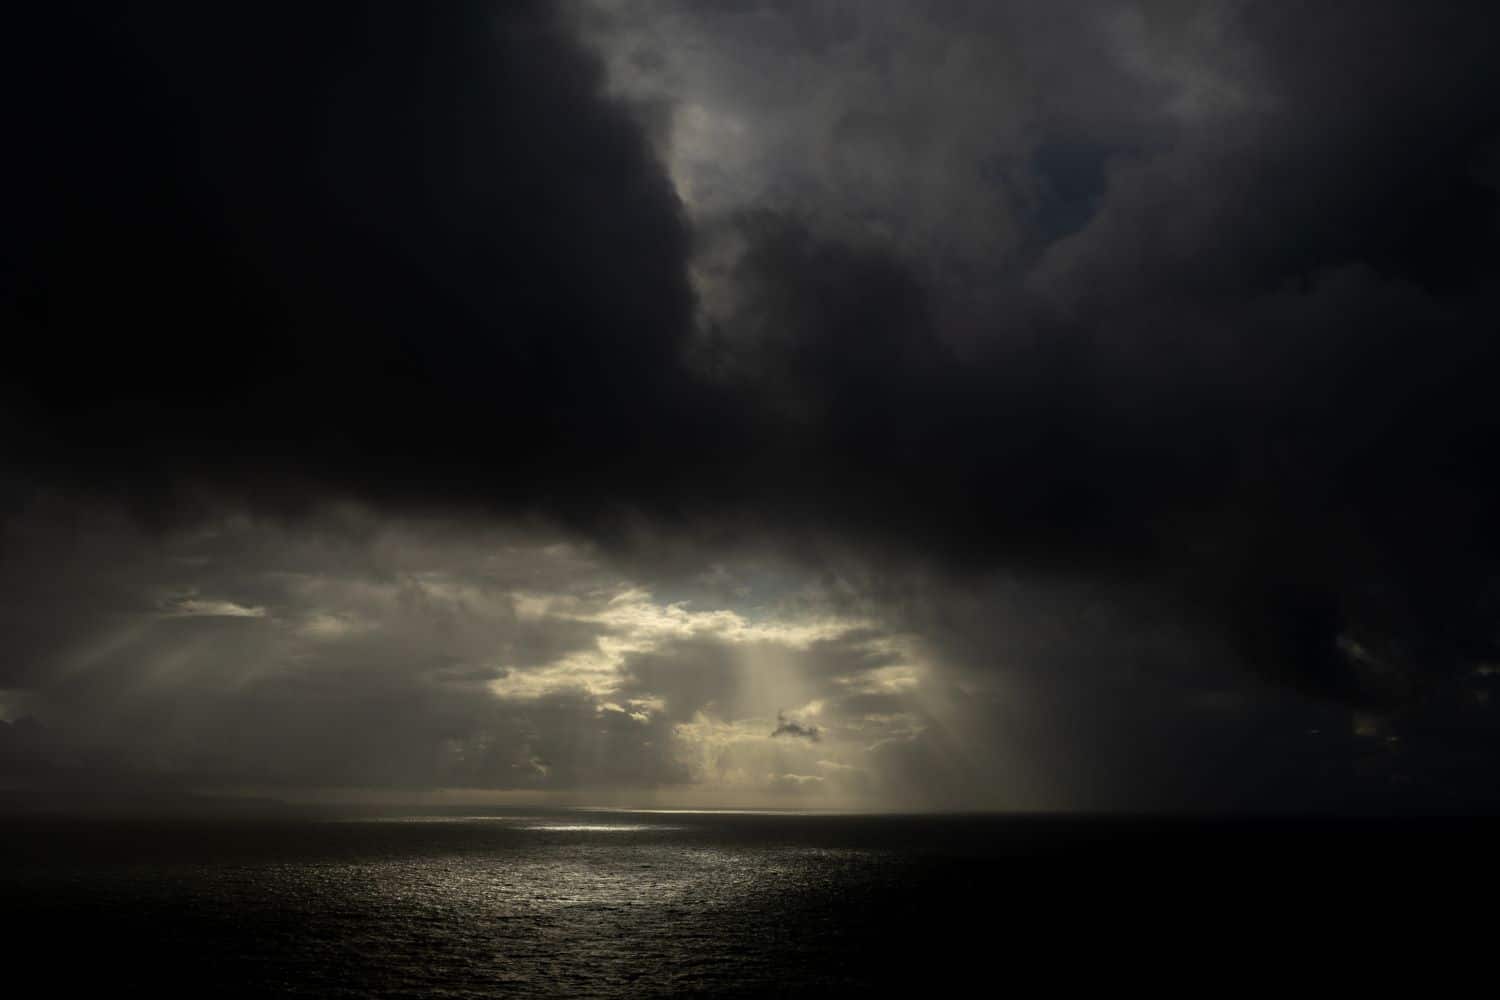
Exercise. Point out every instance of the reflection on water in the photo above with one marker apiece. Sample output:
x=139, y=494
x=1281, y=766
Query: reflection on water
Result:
x=576, y=905
x=618, y=905
x=598, y=827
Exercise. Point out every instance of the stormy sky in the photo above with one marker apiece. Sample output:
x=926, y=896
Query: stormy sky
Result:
x=830, y=404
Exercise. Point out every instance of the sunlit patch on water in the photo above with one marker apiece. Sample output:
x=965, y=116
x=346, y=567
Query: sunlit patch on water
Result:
x=538, y=824
x=599, y=827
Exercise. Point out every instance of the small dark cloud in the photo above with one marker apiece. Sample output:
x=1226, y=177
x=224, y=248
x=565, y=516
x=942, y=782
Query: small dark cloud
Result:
x=796, y=730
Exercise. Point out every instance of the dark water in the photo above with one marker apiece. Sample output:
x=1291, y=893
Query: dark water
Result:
x=616, y=904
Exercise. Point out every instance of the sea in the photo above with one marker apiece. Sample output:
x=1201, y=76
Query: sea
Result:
x=594, y=903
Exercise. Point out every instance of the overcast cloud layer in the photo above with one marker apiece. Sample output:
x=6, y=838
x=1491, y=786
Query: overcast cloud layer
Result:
x=879, y=404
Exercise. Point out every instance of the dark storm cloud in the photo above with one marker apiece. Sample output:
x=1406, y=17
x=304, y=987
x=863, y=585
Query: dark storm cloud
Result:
x=1245, y=385
x=1203, y=324
x=365, y=245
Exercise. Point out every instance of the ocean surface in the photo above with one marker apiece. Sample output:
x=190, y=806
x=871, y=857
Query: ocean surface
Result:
x=611, y=904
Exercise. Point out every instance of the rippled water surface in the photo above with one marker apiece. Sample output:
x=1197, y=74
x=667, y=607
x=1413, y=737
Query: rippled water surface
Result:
x=634, y=904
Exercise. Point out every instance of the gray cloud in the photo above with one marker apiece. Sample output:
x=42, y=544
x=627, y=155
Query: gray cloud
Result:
x=353, y=652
